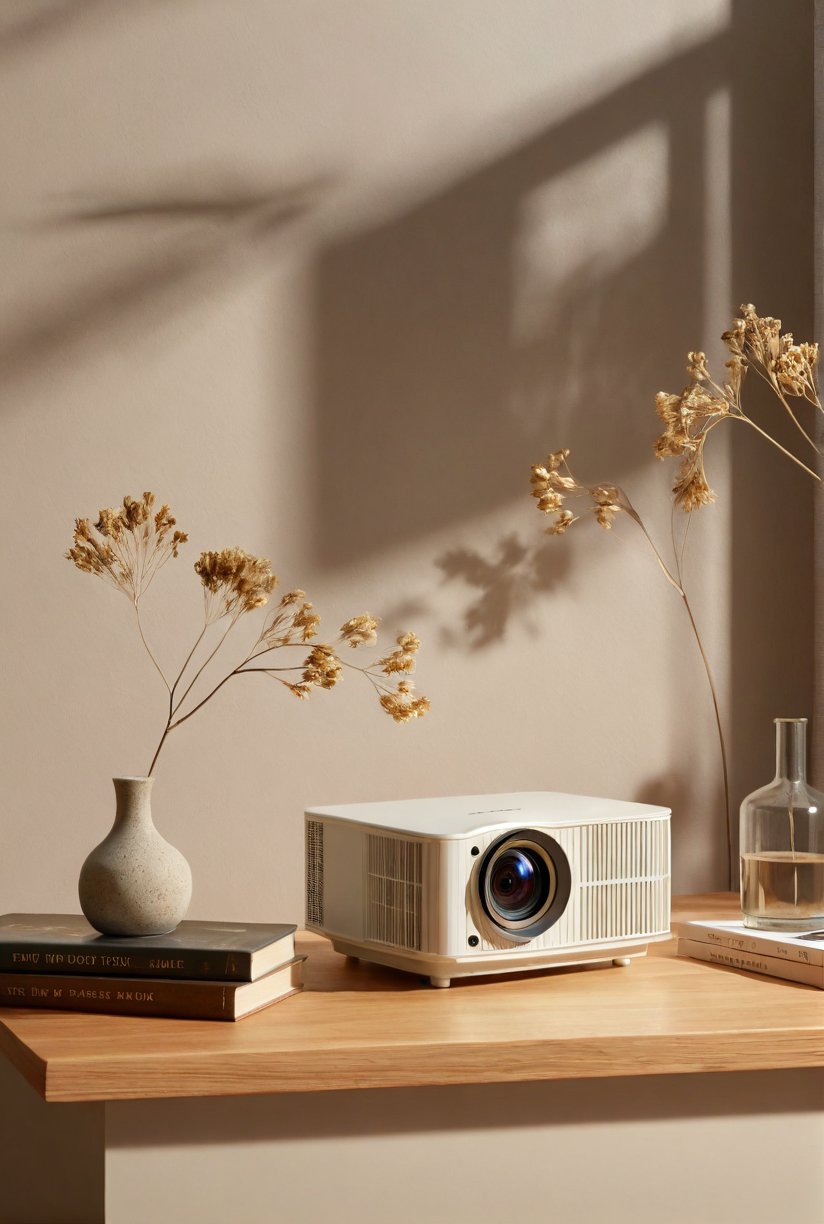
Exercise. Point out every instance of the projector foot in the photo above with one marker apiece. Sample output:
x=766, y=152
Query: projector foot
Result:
x=442, y=982
x=623, y=962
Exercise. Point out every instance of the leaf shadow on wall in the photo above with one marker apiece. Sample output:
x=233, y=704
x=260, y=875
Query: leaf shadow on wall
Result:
x=508, y=581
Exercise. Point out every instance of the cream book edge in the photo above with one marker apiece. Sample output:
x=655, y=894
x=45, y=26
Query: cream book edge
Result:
x=807, y=946
x=752, y=962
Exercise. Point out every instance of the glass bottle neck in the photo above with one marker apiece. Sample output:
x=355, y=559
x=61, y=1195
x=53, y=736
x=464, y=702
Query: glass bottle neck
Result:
x=791, y=749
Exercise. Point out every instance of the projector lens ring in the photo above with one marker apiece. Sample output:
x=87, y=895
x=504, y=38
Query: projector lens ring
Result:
x=524, y=883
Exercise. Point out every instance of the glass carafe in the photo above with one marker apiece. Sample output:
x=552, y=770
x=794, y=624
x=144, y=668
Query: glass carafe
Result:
x=782, y=842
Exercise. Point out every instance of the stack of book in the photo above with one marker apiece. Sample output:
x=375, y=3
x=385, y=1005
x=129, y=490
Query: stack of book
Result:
x=201, y=971
x=798, y=957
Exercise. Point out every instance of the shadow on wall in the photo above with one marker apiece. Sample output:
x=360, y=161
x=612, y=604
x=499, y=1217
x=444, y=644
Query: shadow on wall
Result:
x=506, y=580
x=507, y=583
x=460, y=341
x=200, y=235
x=772, y=201
x=28, y=23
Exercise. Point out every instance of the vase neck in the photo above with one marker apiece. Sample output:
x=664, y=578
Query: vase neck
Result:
x=134, y=801
x=791, y=749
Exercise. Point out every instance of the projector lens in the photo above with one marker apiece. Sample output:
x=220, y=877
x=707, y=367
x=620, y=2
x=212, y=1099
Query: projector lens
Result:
x=518, y=884
x=524, y=884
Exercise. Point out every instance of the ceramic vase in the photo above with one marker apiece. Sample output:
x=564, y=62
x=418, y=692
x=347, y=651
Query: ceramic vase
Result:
x=134, y=882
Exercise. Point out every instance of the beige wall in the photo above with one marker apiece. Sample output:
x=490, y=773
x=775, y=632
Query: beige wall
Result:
x=511, y=224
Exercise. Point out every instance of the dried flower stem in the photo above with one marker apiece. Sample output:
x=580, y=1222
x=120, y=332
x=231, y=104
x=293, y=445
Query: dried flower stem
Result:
x=186, y=663
x=799, y=463
x=676, y=581
x=721, y=740
x=774, y=385
x=149, y=651
x=203, y=665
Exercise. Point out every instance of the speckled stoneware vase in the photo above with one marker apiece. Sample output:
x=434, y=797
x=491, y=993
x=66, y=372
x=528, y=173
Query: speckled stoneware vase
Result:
x=134, y=882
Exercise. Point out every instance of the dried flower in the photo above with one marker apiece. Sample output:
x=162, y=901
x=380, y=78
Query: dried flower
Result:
x=553, y=482
x=290, y=624
x=403, y=707
x=360, y=629
x=402, y=659
x=691, y=489
x=234, y=582
x=322, y=667
x=607, y=504
x=753, y=341
x=688, y=418
x=697, y=367
x=565, y=519
x=132, y=546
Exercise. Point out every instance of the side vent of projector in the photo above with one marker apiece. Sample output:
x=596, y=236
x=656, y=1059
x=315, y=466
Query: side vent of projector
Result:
x=394, y=879
x=314, y=873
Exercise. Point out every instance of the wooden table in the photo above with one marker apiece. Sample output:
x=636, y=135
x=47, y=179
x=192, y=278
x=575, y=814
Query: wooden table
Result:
x=651, y=1038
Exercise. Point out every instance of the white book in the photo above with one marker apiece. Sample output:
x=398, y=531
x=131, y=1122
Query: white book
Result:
x=807, y=947
x=753, y=962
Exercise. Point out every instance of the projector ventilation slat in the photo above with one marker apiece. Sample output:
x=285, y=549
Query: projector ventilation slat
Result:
x=394, y=876
x=314, y=873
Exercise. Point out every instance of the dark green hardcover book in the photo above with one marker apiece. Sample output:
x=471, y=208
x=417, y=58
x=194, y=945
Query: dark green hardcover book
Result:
x=200, y=1000
x=65, y=943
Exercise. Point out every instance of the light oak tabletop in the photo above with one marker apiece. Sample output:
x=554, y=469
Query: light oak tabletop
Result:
x=361, y=1026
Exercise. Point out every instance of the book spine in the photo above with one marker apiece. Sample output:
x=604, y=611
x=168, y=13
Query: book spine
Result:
x=123, y=996
x=136, y=962
x=754, y=962
x=752, y=943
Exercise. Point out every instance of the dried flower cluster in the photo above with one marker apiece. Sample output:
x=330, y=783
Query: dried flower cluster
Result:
x=760, y=341
x=360, y=630
x=553, y=483
x=323, y=667
x=234, y=582
x=128, y=545
x=293, y=621
x=754, y=343
x=402, y=705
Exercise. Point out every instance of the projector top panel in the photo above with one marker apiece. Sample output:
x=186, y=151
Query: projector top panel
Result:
x=461, y=815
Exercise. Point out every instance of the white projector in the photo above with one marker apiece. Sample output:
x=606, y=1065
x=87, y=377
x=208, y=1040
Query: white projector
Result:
x=474, y=884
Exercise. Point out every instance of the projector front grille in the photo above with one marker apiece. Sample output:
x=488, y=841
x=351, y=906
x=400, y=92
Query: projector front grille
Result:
x=314, y=873
x=394, y=878
x=625, y=851
x=624, y=880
